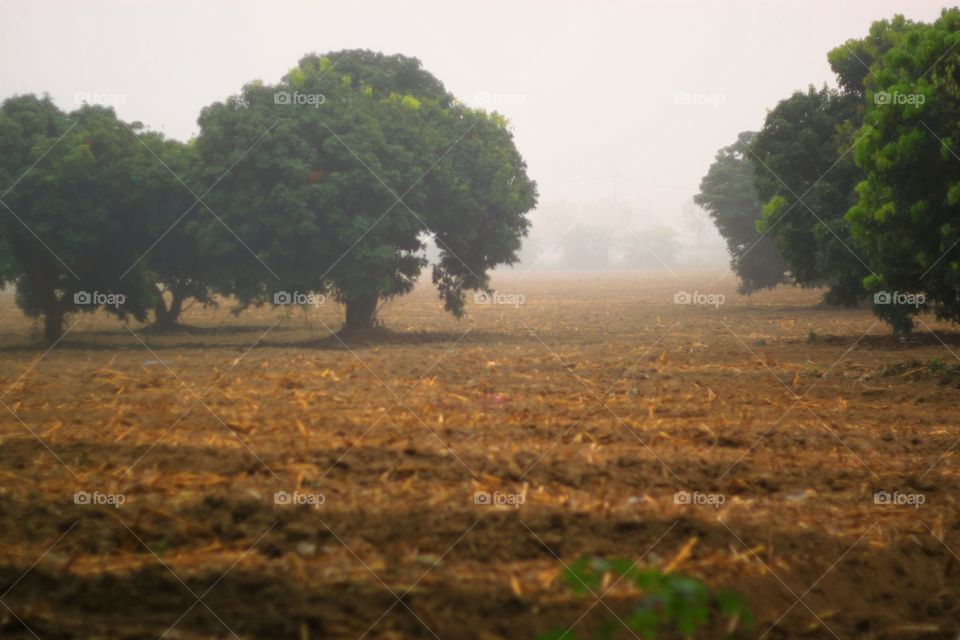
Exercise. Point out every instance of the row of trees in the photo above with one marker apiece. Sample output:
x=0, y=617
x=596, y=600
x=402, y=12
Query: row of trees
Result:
x=604, y=234
x=330, y=182
x=856, y=189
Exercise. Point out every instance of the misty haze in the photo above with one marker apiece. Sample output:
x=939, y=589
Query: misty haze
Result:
x=506, y=321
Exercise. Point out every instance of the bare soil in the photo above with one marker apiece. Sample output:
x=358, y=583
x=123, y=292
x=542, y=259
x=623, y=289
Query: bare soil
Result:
x=597, y=400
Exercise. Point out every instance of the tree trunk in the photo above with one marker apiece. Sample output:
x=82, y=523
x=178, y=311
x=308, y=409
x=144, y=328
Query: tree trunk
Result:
x=167, y=317
x=53, y=324
x=54, y=309
x=361, y=312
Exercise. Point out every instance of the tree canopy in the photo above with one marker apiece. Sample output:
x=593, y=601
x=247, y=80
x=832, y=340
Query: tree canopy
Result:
x=806, y=180
x=332, y=181
x=81, y=187
x=335, y=178
x=177, y=269
x=727, y=193
x=861, y=185
x=907, y=213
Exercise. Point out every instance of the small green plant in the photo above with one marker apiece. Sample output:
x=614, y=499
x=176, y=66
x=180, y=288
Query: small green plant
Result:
x=669, y=601
x=936, y=365
x=813, y=338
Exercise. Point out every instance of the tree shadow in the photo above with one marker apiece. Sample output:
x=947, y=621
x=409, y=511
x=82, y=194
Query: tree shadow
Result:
x=290, y=572
x=339, y=341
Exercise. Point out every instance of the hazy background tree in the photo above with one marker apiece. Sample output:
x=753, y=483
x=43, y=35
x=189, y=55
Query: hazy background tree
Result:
x=696, y=220
x=587, y=247
x=654, y=247
x=727, y=193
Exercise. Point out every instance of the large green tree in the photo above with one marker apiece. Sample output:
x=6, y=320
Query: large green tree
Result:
x=177, y=268
x=74, y=212
x=727, y=193
x=334, y=179
x=907, y=216
x=806, y=178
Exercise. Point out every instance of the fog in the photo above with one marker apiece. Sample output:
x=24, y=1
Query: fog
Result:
x=617, y=107
x=295, y=345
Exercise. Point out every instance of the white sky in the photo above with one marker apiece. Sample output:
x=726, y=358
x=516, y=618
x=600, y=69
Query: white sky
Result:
x=590, y=87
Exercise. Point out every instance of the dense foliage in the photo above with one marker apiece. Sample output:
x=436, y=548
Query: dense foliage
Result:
x=332, y=181
x=82, y=190
x=728, y=195
x=907, y=215
x=806, y=180
x=343, y=171
x=178, y=270
x=860, y=185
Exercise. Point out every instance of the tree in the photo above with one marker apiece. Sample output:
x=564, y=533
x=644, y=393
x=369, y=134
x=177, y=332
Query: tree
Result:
x=655, y=247
x=333, y=178
x=176, y=265
x=907, y=213
x=806, y=179
x=695, y=219
x=727, y=193
x=73, y=215
x=587, y=247
x=855, y=60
